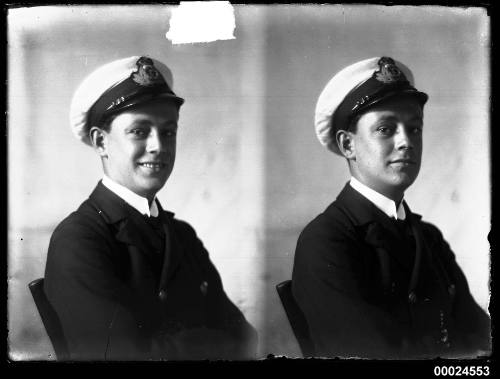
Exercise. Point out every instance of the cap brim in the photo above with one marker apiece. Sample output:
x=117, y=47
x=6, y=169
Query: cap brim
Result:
x=177, y=99
x=145, y=99
x=421, y=97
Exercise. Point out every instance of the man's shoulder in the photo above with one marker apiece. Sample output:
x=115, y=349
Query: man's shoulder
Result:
x=182, y=229
x=178, y=224
x=330, y=220
x=436, y=241
x=430, y=231
x=84, y=220
x=332, y=226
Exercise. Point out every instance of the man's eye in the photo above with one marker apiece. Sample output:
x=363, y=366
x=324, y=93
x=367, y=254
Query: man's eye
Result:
x=139, y=132
x=416, y=130
x=384, y=129
x=169, y=133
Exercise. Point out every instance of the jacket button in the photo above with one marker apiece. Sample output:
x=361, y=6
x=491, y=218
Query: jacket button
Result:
x=163, y=295
x=451, y=290
x=412, y=297
x=204, y=287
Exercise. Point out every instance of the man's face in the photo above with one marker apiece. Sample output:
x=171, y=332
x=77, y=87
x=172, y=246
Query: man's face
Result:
x=388, y=146
x=139, y=148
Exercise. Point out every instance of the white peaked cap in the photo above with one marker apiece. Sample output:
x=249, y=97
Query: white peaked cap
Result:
x=336, y=90
x=101, y=80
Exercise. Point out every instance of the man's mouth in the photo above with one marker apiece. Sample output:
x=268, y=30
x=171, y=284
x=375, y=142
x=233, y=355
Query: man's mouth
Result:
x=153, y=165
x=404, y=161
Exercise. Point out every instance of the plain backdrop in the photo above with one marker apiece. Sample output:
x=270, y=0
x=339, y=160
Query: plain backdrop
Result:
x=250, y=173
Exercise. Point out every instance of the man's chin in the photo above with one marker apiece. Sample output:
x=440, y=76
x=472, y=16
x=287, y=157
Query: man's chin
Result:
x=151, y=187
x=403, y=182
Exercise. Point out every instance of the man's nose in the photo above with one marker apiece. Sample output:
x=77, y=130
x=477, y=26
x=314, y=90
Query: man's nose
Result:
x=403, y=138
x=155, y=144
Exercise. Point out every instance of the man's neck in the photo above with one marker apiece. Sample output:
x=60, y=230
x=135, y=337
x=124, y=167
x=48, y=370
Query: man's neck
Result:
x=140, y=203
x=390, y=207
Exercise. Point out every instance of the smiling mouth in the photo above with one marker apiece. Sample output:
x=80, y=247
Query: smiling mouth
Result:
x=156, y=166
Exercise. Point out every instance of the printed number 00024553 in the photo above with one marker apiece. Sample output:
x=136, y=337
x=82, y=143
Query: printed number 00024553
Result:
x=461, y=370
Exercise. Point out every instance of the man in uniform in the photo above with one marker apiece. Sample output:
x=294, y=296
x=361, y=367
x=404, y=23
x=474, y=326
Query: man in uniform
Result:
x=372, y=279
x=127, y=280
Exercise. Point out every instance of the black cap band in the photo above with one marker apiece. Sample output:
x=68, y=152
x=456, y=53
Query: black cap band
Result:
x=142, y=85
x=386, y=82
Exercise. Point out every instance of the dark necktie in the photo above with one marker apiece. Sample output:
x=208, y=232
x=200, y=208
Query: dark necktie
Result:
x=404, y=230
x=158, y=241
x=155, y=223
x=402, y=225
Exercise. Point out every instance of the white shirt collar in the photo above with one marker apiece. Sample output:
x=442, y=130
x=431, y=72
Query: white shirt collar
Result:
x=138, y=202
x=382, y=202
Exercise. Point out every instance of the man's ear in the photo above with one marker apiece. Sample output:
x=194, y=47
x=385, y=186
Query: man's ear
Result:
x=345, y=142
x=98, y=137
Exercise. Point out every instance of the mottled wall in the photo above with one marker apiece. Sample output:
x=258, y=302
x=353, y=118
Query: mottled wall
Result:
x=249, y=172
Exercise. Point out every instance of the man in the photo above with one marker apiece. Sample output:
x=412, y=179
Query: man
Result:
x=127, y=280
x=372, y=279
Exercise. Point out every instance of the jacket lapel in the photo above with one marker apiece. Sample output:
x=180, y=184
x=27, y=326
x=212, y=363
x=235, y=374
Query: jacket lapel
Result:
x=123, y=219
x=365, y=215
x=174, y=250
x=420, y=245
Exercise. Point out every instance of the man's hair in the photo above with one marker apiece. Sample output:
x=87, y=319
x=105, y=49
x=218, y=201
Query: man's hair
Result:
x=106, y=123
x=352, y=127
x=353, y=123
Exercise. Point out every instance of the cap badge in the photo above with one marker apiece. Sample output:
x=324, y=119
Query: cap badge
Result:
x=388, y=72
x=204, y=287
x=147, y=74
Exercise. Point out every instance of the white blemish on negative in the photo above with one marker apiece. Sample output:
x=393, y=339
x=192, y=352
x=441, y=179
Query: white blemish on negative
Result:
x=202, y=21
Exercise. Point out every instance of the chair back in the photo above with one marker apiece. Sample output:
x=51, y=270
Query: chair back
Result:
x=50, y=320
x=296, y=318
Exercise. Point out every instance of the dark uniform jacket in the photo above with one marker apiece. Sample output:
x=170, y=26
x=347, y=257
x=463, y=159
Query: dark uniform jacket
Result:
x=127, y=290
x=372, y=288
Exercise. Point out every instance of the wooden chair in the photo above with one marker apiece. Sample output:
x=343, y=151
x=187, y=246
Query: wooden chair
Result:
x=296, y=318
x=50, y=320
